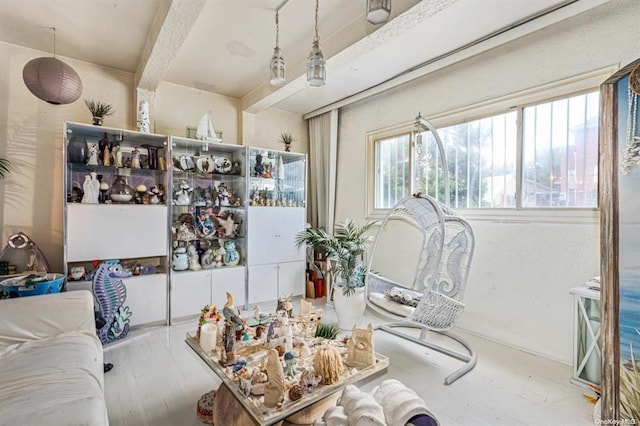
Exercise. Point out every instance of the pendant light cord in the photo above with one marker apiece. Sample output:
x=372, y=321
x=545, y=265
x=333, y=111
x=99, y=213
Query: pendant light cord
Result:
x=277, y=27
x=316, y=38
x=54, y=41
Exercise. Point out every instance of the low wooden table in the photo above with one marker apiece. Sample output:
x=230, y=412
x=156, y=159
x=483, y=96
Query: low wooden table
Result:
x=240, y=410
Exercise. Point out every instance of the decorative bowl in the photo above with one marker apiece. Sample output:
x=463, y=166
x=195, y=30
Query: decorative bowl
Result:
x=121, y=198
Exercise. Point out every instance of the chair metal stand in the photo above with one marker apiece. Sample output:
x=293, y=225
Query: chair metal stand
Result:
x=469, y=359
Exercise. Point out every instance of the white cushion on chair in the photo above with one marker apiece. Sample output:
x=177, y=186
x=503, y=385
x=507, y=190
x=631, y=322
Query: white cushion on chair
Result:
x=381, y=301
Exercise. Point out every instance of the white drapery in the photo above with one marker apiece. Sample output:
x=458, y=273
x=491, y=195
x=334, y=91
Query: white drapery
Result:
x=323, y=146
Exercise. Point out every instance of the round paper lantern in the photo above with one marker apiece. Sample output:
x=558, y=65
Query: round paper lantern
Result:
x=52, y=80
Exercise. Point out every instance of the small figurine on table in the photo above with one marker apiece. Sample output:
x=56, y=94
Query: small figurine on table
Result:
x=290, y=363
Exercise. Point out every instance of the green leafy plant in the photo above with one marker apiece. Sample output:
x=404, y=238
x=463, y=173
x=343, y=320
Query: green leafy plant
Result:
x=327, y=331
x=99, y=109
x=344, y=250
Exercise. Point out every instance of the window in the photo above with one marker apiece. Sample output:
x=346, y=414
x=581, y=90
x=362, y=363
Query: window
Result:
x=558, y=166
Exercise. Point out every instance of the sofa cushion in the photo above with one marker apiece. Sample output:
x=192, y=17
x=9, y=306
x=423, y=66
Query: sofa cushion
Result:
x=56, y=380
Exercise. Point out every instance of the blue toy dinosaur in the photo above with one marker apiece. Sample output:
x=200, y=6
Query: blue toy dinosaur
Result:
x=110, y=293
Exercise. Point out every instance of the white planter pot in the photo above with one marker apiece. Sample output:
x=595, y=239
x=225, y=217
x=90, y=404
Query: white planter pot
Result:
x=349, y=309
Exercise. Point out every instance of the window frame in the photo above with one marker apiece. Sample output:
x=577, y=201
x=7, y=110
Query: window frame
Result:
x=560, y=89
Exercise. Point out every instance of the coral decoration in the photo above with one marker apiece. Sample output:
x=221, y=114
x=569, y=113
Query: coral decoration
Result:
x=328, y=363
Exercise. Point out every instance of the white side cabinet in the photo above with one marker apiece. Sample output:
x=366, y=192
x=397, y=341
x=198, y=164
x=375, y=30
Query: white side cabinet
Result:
x=586, y=336
x=191, y=290
x=276, y=266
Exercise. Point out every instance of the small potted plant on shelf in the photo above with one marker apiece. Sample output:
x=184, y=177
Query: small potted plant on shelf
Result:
x=286, y=138
x=99, y=110
x=344, y=251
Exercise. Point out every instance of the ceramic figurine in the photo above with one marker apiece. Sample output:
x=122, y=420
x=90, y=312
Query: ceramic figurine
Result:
x=274, y=392
x=327, y=362
x=143, y=117
x=180, y=259
x=91, y=187
x=236, y=168
x=223, y=165
x=258, y=168
x=194, y=264
x=223, y=195
x=284, y=304
x=182, y=196
x=231, y=256
x=93, y=155
x=290, y=363
x=207, y=258
x=232, y=314
x=228, y=225
x=184, y=233
x=360, y=350
x=117, y=155
x=110, y=293
x=135, y=158
x=245, y=386
x=229, y=343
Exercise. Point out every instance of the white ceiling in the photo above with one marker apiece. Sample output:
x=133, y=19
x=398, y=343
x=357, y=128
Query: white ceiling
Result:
x=224, y=46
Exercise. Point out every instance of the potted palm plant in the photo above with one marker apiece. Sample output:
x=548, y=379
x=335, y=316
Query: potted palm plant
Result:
x=344, y=251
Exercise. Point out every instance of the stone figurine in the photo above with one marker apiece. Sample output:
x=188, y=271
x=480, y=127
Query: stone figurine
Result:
x=274, y=391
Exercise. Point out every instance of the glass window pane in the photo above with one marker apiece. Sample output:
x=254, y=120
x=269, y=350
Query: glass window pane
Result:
x=560, y=153
x=481, y=157
x=392, y=170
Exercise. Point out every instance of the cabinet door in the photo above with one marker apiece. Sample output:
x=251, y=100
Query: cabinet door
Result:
x=262, y=231
x=147, y=298
x=291, y=279
x=291, y=221
x=263, y=283
x=190, y=291
x=225, y=280
x=99, y=231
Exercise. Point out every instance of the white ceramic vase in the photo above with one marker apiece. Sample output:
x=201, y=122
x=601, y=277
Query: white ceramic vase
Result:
x=349, y=309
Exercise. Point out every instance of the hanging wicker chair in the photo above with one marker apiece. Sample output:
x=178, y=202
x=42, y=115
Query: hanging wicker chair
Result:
x=433, y=301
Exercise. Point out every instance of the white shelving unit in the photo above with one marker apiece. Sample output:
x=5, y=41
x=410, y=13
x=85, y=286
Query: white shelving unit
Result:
x=586, y=336
x=133, y=232
x=208, y=174
x=276, y=214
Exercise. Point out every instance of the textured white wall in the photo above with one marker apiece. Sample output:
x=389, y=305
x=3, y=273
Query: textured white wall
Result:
x=31, y=137
x=522, y=272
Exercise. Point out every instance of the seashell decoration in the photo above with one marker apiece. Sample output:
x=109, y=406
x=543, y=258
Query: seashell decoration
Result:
x=309, y=380
x=259, y=377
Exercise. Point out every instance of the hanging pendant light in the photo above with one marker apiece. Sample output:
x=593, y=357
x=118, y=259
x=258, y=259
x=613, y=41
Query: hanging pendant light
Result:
x=316, y=65
x=278, y=71
x=52, y=80
x=378, y=11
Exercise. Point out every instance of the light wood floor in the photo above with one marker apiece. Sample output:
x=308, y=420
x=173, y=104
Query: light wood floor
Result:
x=157, y=380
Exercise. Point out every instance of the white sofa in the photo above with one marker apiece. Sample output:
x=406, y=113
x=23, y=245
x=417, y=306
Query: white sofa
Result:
x=51, y=370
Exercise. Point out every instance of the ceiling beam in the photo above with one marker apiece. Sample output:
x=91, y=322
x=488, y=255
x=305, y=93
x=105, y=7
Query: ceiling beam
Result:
x=170, y=28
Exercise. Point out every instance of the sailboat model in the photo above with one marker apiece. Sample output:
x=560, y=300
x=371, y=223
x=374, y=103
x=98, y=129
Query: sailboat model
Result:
x=205, y=131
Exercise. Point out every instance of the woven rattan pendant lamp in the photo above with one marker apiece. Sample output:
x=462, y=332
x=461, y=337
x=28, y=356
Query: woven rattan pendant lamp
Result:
x=51, y=80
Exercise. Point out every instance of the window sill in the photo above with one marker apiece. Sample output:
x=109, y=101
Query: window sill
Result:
x=529, y=215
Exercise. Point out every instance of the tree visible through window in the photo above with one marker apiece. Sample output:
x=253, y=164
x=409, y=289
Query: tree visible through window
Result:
x=559, y=163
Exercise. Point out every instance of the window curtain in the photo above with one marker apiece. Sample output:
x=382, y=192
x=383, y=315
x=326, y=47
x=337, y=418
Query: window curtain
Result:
x=323, y=158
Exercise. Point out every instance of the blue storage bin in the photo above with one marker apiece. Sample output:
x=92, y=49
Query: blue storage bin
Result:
x=12, y=286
